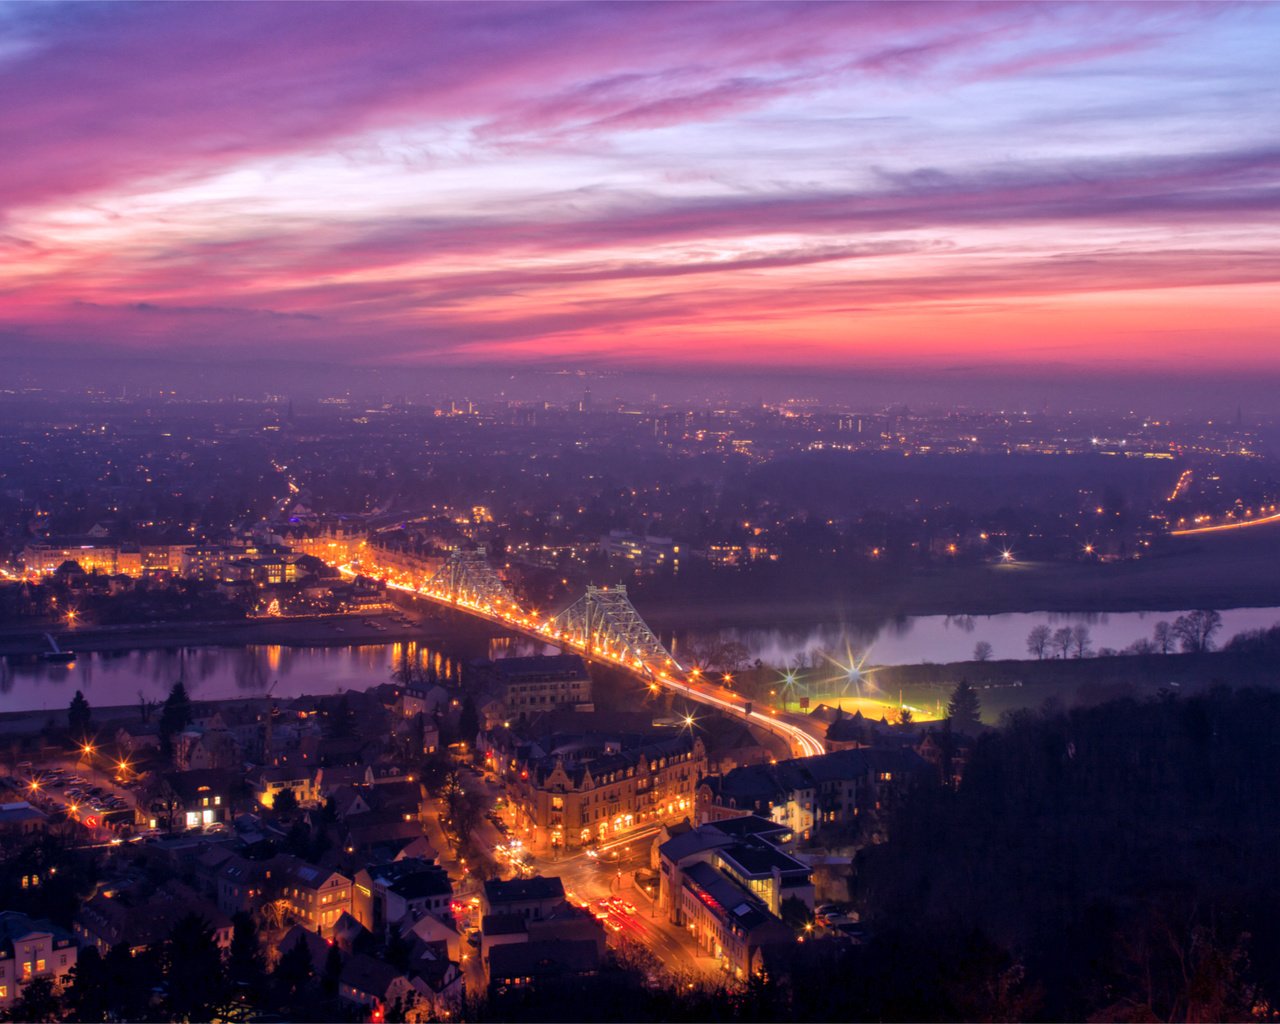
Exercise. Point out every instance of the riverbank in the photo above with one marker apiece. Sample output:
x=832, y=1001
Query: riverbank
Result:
x=312, y=631
x=1231, y=570
x=1013, y=685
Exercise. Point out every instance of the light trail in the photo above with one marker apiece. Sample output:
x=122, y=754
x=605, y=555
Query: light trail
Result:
x=1242, y=524
x=802, y=742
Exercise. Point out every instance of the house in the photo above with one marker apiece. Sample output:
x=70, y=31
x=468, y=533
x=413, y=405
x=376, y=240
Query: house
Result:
x=29, y=949
x=388, y=894
x=241, y=885
x=200, y=748
x=208, y=864
x=379, y=830
x=134, y=738
x=435, y=931
x=372, y=983
x=804, y=794
x=526, y=686
x=529, y=898
x=531, y=964
x=315, y=897
x=437, y=980
x=500, y=930
x=427, y=700
x=142, y=918
x=19, y=818
x=267, y=783
x=191, y=799
x=329, y=779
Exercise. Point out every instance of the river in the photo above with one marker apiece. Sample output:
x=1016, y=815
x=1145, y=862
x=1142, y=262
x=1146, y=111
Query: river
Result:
x=940, y=639
x=211, y=672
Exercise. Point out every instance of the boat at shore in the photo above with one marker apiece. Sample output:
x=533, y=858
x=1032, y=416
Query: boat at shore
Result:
x=55, y=654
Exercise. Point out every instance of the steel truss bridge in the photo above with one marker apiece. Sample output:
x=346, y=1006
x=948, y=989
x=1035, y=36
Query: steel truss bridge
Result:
x=602, y=625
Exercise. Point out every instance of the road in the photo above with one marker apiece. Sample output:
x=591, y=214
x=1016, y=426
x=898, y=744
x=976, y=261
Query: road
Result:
x=804, y=737
x=589, y=879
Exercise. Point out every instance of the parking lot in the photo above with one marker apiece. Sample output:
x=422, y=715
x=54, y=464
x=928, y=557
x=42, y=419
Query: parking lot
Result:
x=74, y=790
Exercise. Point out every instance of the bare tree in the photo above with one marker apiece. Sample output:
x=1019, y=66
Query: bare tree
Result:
x=1163, y=637
x=1080, y=639
x=1038, y=641
x=1062, y=640
x=982, y=651
x=1195, y=630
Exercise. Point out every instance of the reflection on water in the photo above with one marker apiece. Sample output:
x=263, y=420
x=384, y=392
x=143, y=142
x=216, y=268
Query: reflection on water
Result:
x=117, y=678
x=947, y=638
x=122, y=678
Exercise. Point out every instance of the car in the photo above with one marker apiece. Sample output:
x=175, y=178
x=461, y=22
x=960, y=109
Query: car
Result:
x=628, y=908
x=474, y=939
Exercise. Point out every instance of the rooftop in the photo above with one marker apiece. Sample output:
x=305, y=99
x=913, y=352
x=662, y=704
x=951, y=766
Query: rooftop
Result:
x=518, y=890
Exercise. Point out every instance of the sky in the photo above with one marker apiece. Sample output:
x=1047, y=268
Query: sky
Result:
x=1083, y=190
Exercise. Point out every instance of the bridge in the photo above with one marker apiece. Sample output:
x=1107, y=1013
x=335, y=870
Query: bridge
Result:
x=602, y=625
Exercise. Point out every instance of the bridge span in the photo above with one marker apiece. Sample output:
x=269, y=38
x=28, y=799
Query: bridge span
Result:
x=601, y=626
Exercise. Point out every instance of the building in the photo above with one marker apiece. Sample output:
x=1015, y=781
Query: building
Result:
x=18, y=818
x=407, y=889
x=44, y=559
x=268, y=782
x=241, y=884
x=142, y=918
x=520, y=965
x=527, y=686
x=190, y=800
x=373, y=985
x=573, y=790
x=836, y=790
x=314, y=897
x=645, y=553
x=31, y=949
x=529, y=898
x=726, y=922
x=728, y=883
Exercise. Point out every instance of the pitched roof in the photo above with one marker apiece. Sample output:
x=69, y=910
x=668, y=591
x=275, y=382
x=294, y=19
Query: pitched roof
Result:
x=365, y=974
x=548, y=958
x=503, y=924
x=517, y=890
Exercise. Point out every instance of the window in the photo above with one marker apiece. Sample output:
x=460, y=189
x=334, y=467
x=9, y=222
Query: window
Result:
x=26, y=969
x=4, y=991
x=39, y=966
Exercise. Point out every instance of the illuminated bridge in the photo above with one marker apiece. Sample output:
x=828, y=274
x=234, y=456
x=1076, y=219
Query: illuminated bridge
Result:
x=602, y=625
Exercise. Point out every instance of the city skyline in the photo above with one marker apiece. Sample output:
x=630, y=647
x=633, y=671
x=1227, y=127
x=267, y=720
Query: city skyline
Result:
x=987, y=190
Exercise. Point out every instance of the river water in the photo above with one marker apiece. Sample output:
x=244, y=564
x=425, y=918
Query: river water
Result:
x=940, y=639
x=114, y=679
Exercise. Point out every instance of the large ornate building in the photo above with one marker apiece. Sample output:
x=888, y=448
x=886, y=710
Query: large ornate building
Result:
x=576, y=790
